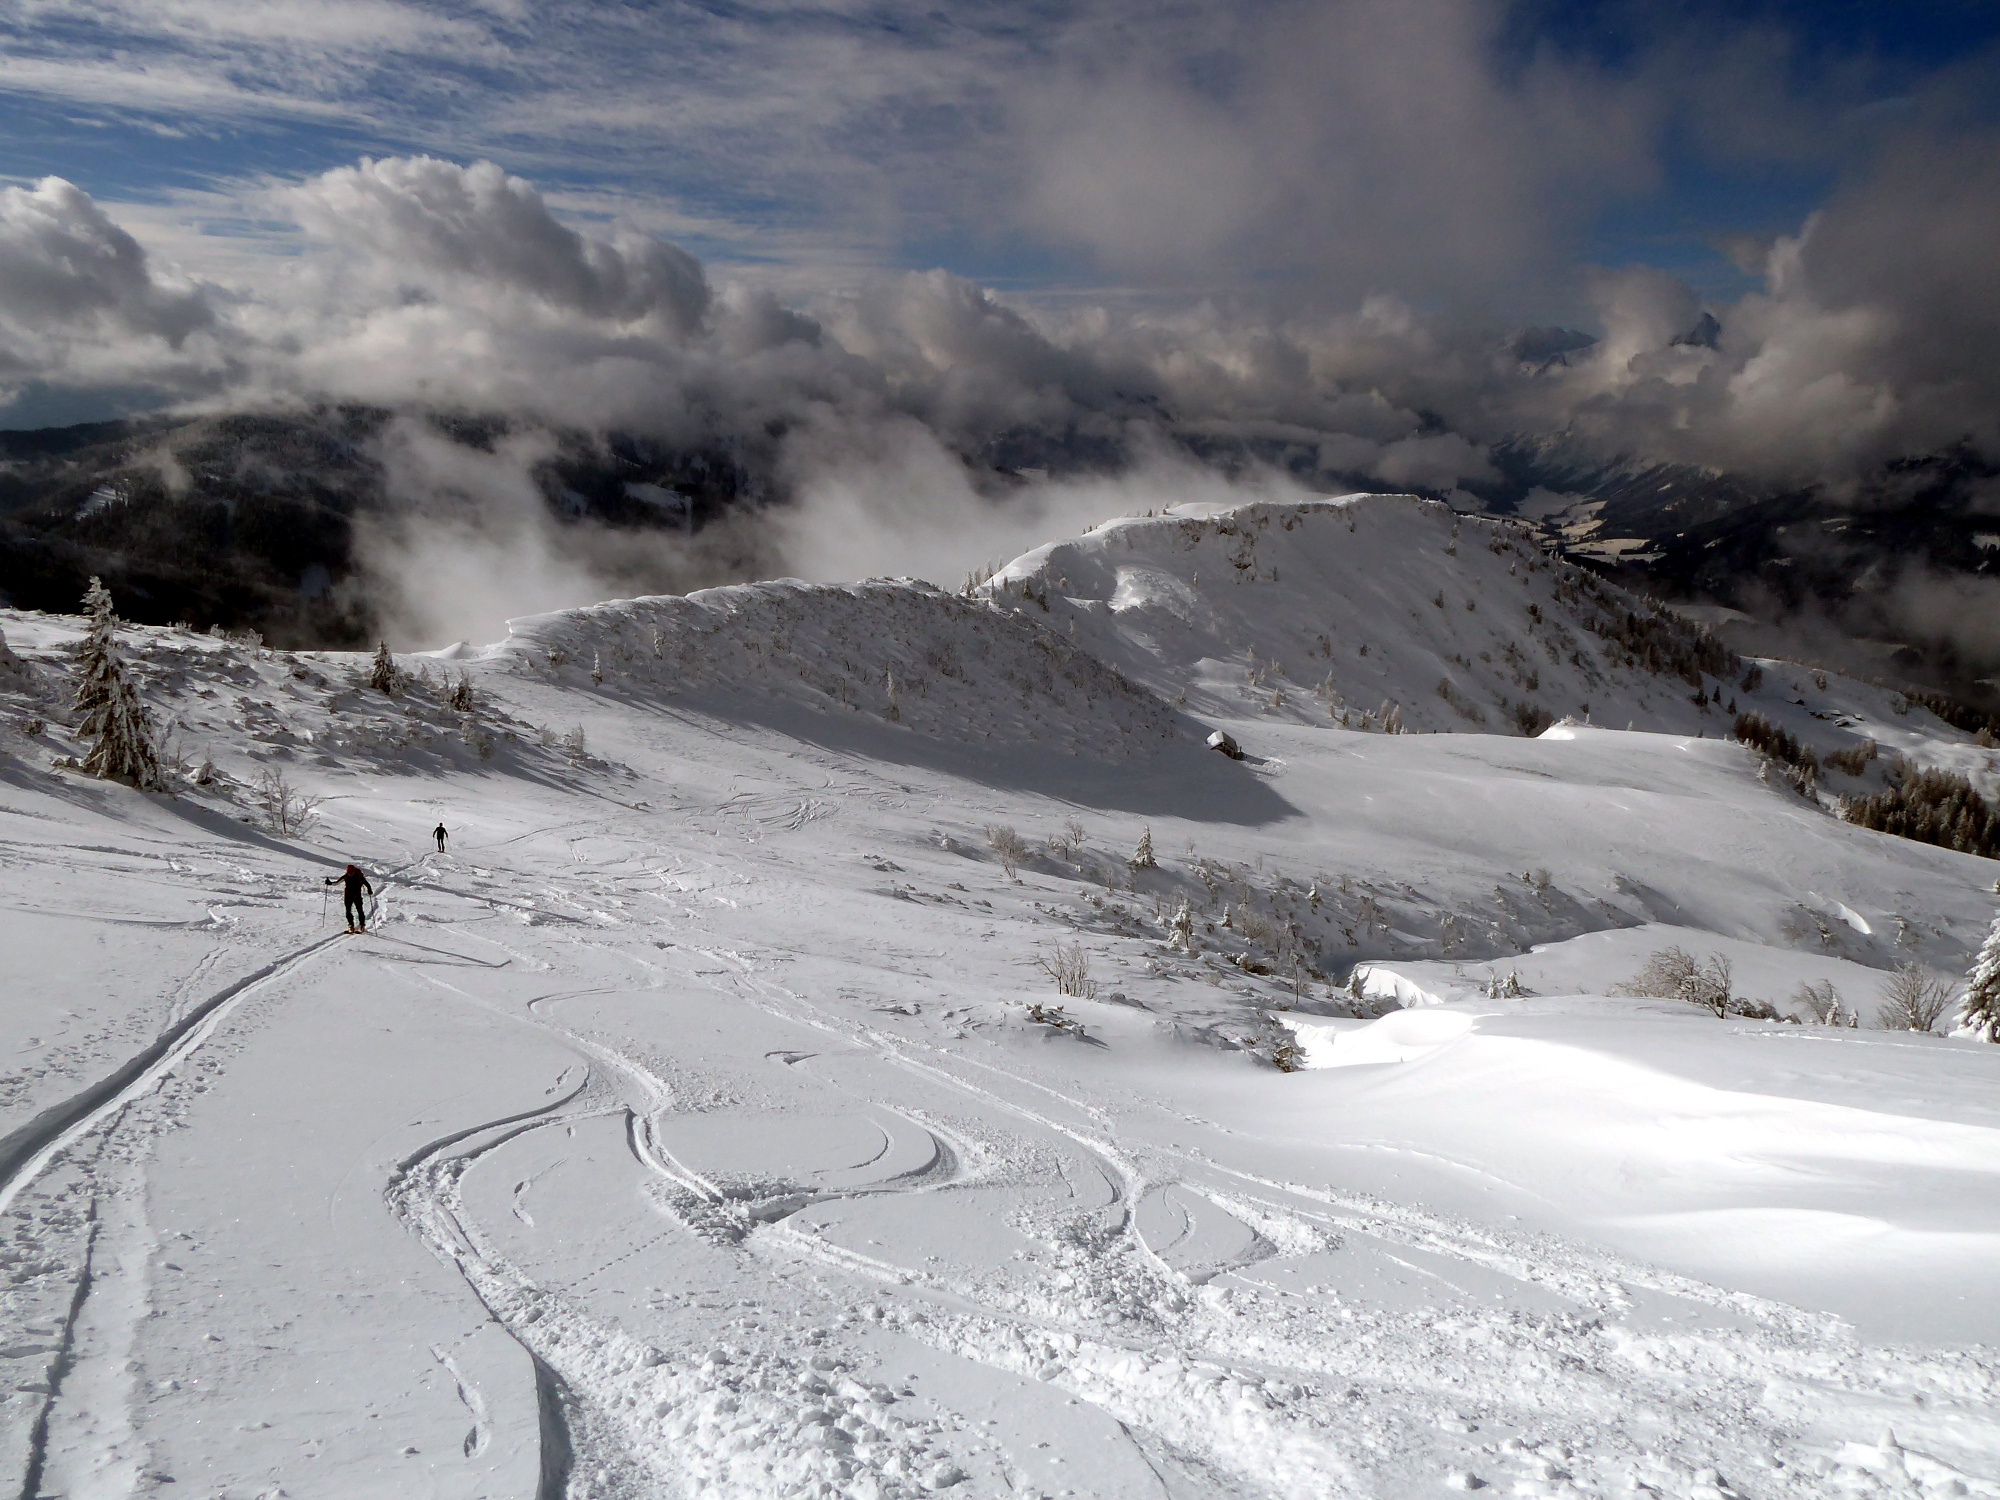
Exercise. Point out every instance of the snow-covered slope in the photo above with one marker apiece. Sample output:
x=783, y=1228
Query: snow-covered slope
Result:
x=897, y=651
x=1313, y=611
x=703, y=1122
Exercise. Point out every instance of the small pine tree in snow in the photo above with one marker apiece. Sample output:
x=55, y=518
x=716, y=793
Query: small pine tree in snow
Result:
x=1142, y=857
x=1979, y=1011
x=382, y=673
x=108, y=711
x=1180, y=931
x=596, y=670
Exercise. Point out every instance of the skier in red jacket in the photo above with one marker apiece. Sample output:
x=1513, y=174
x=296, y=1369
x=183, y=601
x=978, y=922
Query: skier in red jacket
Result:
x=352, y=883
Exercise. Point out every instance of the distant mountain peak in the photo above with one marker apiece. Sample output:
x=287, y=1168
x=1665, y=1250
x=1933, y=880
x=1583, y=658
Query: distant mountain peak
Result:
x=1707, y=329
x=1544, y=347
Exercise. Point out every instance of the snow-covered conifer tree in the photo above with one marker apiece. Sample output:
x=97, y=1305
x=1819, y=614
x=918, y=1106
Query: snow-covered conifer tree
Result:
x=1979, y=1011
x=1180, y=931
x=1142, y=857
x=108, y=711
x=382, y=673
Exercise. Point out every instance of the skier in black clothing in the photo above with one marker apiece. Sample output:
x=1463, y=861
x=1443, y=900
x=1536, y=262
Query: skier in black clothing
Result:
x=439, y=834
x=353, y=883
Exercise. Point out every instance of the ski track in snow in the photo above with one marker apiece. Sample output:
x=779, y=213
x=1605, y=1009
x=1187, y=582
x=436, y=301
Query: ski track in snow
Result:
x=26, y=1151
x=1228, y=1401
x=797, y=1207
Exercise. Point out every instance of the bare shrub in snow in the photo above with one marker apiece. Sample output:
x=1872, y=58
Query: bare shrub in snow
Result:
x=1069, y=966
x=573, y=741
x=1253, y=928
x=1008, y=846
x=1912, y=1000
x=286, y=810
x=12, y=666
x=1820, y=1004
x=1853, y=760
x=1676, y=974
x=1066, y=840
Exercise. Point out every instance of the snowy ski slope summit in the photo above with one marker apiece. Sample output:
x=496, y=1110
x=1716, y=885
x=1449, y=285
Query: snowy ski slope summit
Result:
x=684, y=1129
x=1305, y=611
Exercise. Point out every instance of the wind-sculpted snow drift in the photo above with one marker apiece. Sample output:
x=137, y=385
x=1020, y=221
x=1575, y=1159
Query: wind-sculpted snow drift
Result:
x=701, y=1123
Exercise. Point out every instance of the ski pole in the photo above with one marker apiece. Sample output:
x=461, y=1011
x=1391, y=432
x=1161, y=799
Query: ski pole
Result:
x=322, y=903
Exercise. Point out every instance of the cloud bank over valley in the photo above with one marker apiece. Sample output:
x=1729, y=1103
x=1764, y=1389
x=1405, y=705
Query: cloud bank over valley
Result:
x=937, y=283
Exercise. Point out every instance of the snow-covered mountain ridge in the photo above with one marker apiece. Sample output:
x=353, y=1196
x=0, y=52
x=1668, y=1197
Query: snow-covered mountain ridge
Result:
x=1349, y=606
x=704, y=1120
x=894, y=650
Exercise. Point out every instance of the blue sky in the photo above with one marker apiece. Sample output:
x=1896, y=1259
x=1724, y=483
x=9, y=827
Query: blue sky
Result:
x=1052, y=147
x=1320, y=219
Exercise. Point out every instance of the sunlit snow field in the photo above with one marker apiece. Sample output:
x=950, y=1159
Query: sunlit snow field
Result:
x=684, y=1129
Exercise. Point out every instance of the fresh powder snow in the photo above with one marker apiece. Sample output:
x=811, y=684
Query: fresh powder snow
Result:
x=791, y=1081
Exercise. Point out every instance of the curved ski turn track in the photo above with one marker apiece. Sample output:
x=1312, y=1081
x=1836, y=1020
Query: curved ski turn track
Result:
x=699, y=1147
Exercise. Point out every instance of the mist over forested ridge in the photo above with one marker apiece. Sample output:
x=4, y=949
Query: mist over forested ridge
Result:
x=332, y=525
